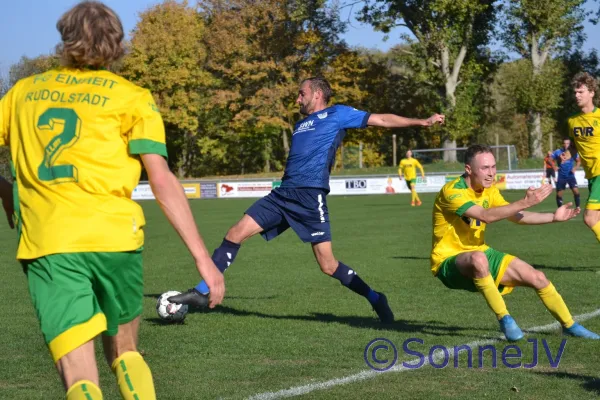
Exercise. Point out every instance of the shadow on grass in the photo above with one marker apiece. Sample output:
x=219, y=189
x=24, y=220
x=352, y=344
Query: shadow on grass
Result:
x=589, y=383
x=565, y=268
x=433, y=328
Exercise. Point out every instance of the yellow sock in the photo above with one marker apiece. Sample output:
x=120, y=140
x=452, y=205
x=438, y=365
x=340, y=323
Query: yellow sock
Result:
x=490, y=292
x=596, y=230
x=134, y=377
x=556, y=305
x=417, y=197
x=413, y=195
x=84, y=390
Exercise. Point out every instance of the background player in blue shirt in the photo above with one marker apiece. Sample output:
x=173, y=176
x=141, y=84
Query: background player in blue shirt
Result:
x=300, y=201
x=567, y=164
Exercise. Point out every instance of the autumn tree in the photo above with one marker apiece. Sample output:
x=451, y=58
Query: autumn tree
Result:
x=259, y=51
x=167, y=55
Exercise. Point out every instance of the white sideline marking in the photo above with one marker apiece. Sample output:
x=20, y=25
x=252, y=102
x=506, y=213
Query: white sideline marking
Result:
x=369, y=373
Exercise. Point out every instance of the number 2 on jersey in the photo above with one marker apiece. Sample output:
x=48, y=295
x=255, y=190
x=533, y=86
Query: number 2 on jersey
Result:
x=48, y=171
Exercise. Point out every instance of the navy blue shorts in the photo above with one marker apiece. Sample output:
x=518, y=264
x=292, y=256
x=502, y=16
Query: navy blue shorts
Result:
x=562, y=183
x=304, y=210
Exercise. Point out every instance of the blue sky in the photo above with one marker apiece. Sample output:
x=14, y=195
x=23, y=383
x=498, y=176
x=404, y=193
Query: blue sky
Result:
x=28, y=27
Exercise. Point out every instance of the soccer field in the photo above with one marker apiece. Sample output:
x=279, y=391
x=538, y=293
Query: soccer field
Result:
x=285, y=329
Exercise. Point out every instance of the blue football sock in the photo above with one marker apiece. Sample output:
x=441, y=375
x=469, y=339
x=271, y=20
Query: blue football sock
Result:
x=223, y=256
x=352, y=281
x=577, y=200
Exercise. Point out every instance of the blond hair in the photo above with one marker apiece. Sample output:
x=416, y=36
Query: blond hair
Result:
x=91, y=34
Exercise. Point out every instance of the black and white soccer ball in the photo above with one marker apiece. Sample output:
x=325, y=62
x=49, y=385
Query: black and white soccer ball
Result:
x=168, y=311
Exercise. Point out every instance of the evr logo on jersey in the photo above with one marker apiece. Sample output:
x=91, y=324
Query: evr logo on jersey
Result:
x=586, y=131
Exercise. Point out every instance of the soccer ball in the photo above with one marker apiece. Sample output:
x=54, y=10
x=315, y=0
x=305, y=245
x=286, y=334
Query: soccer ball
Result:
x=168, y=311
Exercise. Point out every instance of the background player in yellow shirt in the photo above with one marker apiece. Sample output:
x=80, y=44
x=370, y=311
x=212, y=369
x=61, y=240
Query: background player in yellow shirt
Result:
x=408, y=166
x=461, y=259
x=584, y=130
x=76, y=136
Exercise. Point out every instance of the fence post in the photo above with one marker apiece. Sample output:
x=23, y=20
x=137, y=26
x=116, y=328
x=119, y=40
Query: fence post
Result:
x=497, y=144
x=360, y=149
x=394, y=147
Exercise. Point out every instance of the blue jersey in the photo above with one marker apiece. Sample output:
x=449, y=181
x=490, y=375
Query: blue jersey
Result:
x=314, y=143
x=565, y=168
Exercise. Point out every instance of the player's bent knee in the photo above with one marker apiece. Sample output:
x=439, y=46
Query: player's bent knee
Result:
x=479, y=264
x=591, y=218
x=539, y=280
x=328, y=267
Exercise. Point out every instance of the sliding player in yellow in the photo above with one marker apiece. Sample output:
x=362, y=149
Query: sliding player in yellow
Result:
x=77, y=135
x=408, y=167
x=460, y=257
x=584, y=129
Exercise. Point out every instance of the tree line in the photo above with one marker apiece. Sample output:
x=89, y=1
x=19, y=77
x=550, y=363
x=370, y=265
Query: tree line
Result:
x=225, y=74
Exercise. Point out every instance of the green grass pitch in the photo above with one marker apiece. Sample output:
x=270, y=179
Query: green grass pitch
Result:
x=284, y=324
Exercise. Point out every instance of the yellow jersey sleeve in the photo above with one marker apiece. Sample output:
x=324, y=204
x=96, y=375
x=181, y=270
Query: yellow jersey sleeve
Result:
x=418, y=164
x=455, y=201
x=5, y=114
x=144, y=127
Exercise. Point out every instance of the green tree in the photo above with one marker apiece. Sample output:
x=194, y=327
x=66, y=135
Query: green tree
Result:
x=539, y=30
x=446, y=50
x=514, y=93
x=30, y=66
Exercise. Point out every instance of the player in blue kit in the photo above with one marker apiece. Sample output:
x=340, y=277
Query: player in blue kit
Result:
x=567, y=164
x=300, y=201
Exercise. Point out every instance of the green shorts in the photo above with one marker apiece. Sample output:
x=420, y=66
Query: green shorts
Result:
x=77, y=296
x=453, y=279
x=411, y=183
x=593, y=202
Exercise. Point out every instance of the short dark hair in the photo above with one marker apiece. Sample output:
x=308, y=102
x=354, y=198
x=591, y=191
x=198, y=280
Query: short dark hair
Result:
x=318, y=83
x=475, y=149
x=567, y=138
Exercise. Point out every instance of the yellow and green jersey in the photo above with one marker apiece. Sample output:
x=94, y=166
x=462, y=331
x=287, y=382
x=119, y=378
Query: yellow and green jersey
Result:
x=454, y=233
x=74, y=137
x=408, y=168
x=584, y=130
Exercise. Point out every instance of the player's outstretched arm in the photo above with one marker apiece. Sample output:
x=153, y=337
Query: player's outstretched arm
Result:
x=494, y=214
x=7, y=200
x=396, y=121
x=562, y=214
x=172, y=200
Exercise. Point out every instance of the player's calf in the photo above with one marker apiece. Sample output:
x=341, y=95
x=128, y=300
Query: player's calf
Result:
x=78, y=366
x=133, y=374
x=350, y=279
x=592, y=220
